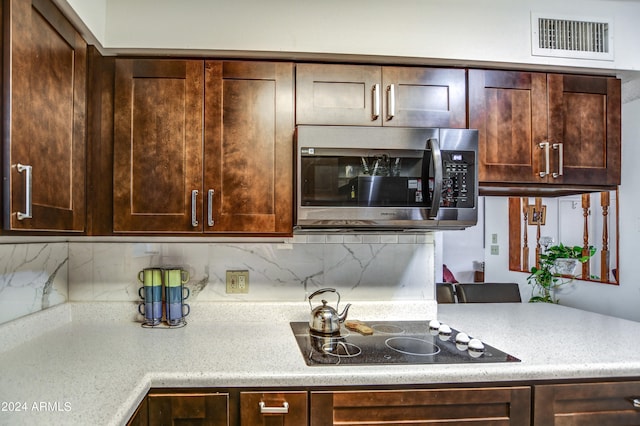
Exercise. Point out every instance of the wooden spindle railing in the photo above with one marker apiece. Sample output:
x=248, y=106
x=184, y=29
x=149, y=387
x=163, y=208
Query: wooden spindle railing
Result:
x=515, y=235
x=586, y=205
x=604, y=252
x=525, y=244
x=519, y=248
x=538, y=208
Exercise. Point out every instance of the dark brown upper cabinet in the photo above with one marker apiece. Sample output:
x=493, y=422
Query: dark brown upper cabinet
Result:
x=369, y=95
x=539, y=128
x=44, y=98
x=158, y=146
x=584, y=120
x=203, y=147
x=248, y=145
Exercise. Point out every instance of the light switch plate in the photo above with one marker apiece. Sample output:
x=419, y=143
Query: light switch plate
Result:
x=237, y=282
x=495, y=250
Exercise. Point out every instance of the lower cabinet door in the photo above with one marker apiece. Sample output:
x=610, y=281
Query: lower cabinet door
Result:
x=492, y=405
x=141, y=416
x=605, y=403
x=202, y=409
x=273, y=408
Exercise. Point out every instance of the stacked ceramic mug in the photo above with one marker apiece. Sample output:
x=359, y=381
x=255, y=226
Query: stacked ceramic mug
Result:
x=164, y=293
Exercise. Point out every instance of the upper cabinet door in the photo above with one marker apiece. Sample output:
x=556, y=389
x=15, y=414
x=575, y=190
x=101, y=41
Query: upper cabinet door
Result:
x=158, y=146
x=424, y=97
x=509, y=109
x=248, y=137
x=584, y=129
x=369, y=95
x=44, y=107
x=552, y=129
x=338, y=94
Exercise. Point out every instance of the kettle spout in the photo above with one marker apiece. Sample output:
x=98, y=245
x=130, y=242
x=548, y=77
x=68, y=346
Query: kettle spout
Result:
x=343, y=315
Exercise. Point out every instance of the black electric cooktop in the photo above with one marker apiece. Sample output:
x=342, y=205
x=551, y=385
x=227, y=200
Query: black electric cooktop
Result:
x=392, y=342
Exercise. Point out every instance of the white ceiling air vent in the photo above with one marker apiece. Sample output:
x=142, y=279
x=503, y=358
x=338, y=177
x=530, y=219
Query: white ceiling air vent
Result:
x=567, y=37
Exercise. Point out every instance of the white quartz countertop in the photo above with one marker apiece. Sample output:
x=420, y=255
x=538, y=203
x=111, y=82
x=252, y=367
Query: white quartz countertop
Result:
x=97, y=365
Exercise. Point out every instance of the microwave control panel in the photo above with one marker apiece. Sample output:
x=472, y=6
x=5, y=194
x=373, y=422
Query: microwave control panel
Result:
x=458, y=179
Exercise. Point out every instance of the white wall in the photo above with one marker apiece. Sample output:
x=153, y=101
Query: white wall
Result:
x=461, y=30
x=93, y=14
x=618, y=300
x=459, y=249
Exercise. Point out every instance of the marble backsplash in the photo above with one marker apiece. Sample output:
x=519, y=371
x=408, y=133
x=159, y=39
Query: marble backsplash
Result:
x=360, y=267
x=33, y=277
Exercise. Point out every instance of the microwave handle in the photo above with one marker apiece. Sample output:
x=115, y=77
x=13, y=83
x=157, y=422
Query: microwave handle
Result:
x=434, y=145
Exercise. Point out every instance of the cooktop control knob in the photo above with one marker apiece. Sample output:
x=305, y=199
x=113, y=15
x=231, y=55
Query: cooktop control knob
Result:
x=462, y=341
x=434, y=327
x=444, y=332
x=476, y=348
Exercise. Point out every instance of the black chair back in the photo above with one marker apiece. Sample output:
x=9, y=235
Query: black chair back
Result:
x=488, y=293
x=445, y=293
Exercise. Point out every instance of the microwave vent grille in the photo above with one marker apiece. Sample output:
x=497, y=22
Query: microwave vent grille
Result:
x=572, y=38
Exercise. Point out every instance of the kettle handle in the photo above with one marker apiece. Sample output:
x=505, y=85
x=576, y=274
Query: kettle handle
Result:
x=324, y=290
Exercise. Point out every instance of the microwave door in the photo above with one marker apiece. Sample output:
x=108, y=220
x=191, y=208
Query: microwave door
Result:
x=432, y=163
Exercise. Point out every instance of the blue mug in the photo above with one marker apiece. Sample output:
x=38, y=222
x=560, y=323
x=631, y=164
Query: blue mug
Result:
x=176, y=312
x=174, y=295
x=151, y=292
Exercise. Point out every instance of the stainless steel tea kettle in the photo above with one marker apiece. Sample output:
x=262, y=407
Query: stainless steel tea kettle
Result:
x=325, y=319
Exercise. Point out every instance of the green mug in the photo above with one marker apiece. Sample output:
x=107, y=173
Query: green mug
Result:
x=150, y=276
x=174, y=277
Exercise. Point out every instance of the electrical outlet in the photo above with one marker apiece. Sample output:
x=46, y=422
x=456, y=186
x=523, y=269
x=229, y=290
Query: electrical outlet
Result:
x=495, y=250
x=237, y=282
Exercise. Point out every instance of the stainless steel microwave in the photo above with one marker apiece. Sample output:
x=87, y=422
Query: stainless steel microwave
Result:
x=385, y=178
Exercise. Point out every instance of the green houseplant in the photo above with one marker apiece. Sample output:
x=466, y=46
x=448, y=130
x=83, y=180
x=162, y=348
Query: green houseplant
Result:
x=554, y=271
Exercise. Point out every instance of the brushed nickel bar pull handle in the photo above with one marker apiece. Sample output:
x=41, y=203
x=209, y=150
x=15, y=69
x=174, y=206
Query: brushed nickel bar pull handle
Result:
x=437, y=188
x=545, y=146
x=635, y=402
x=210, y=220
x=560, y=148
x=27, y=191
x=274, y=410
x=194, y=213
x=376, y=102
x=391, y=101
